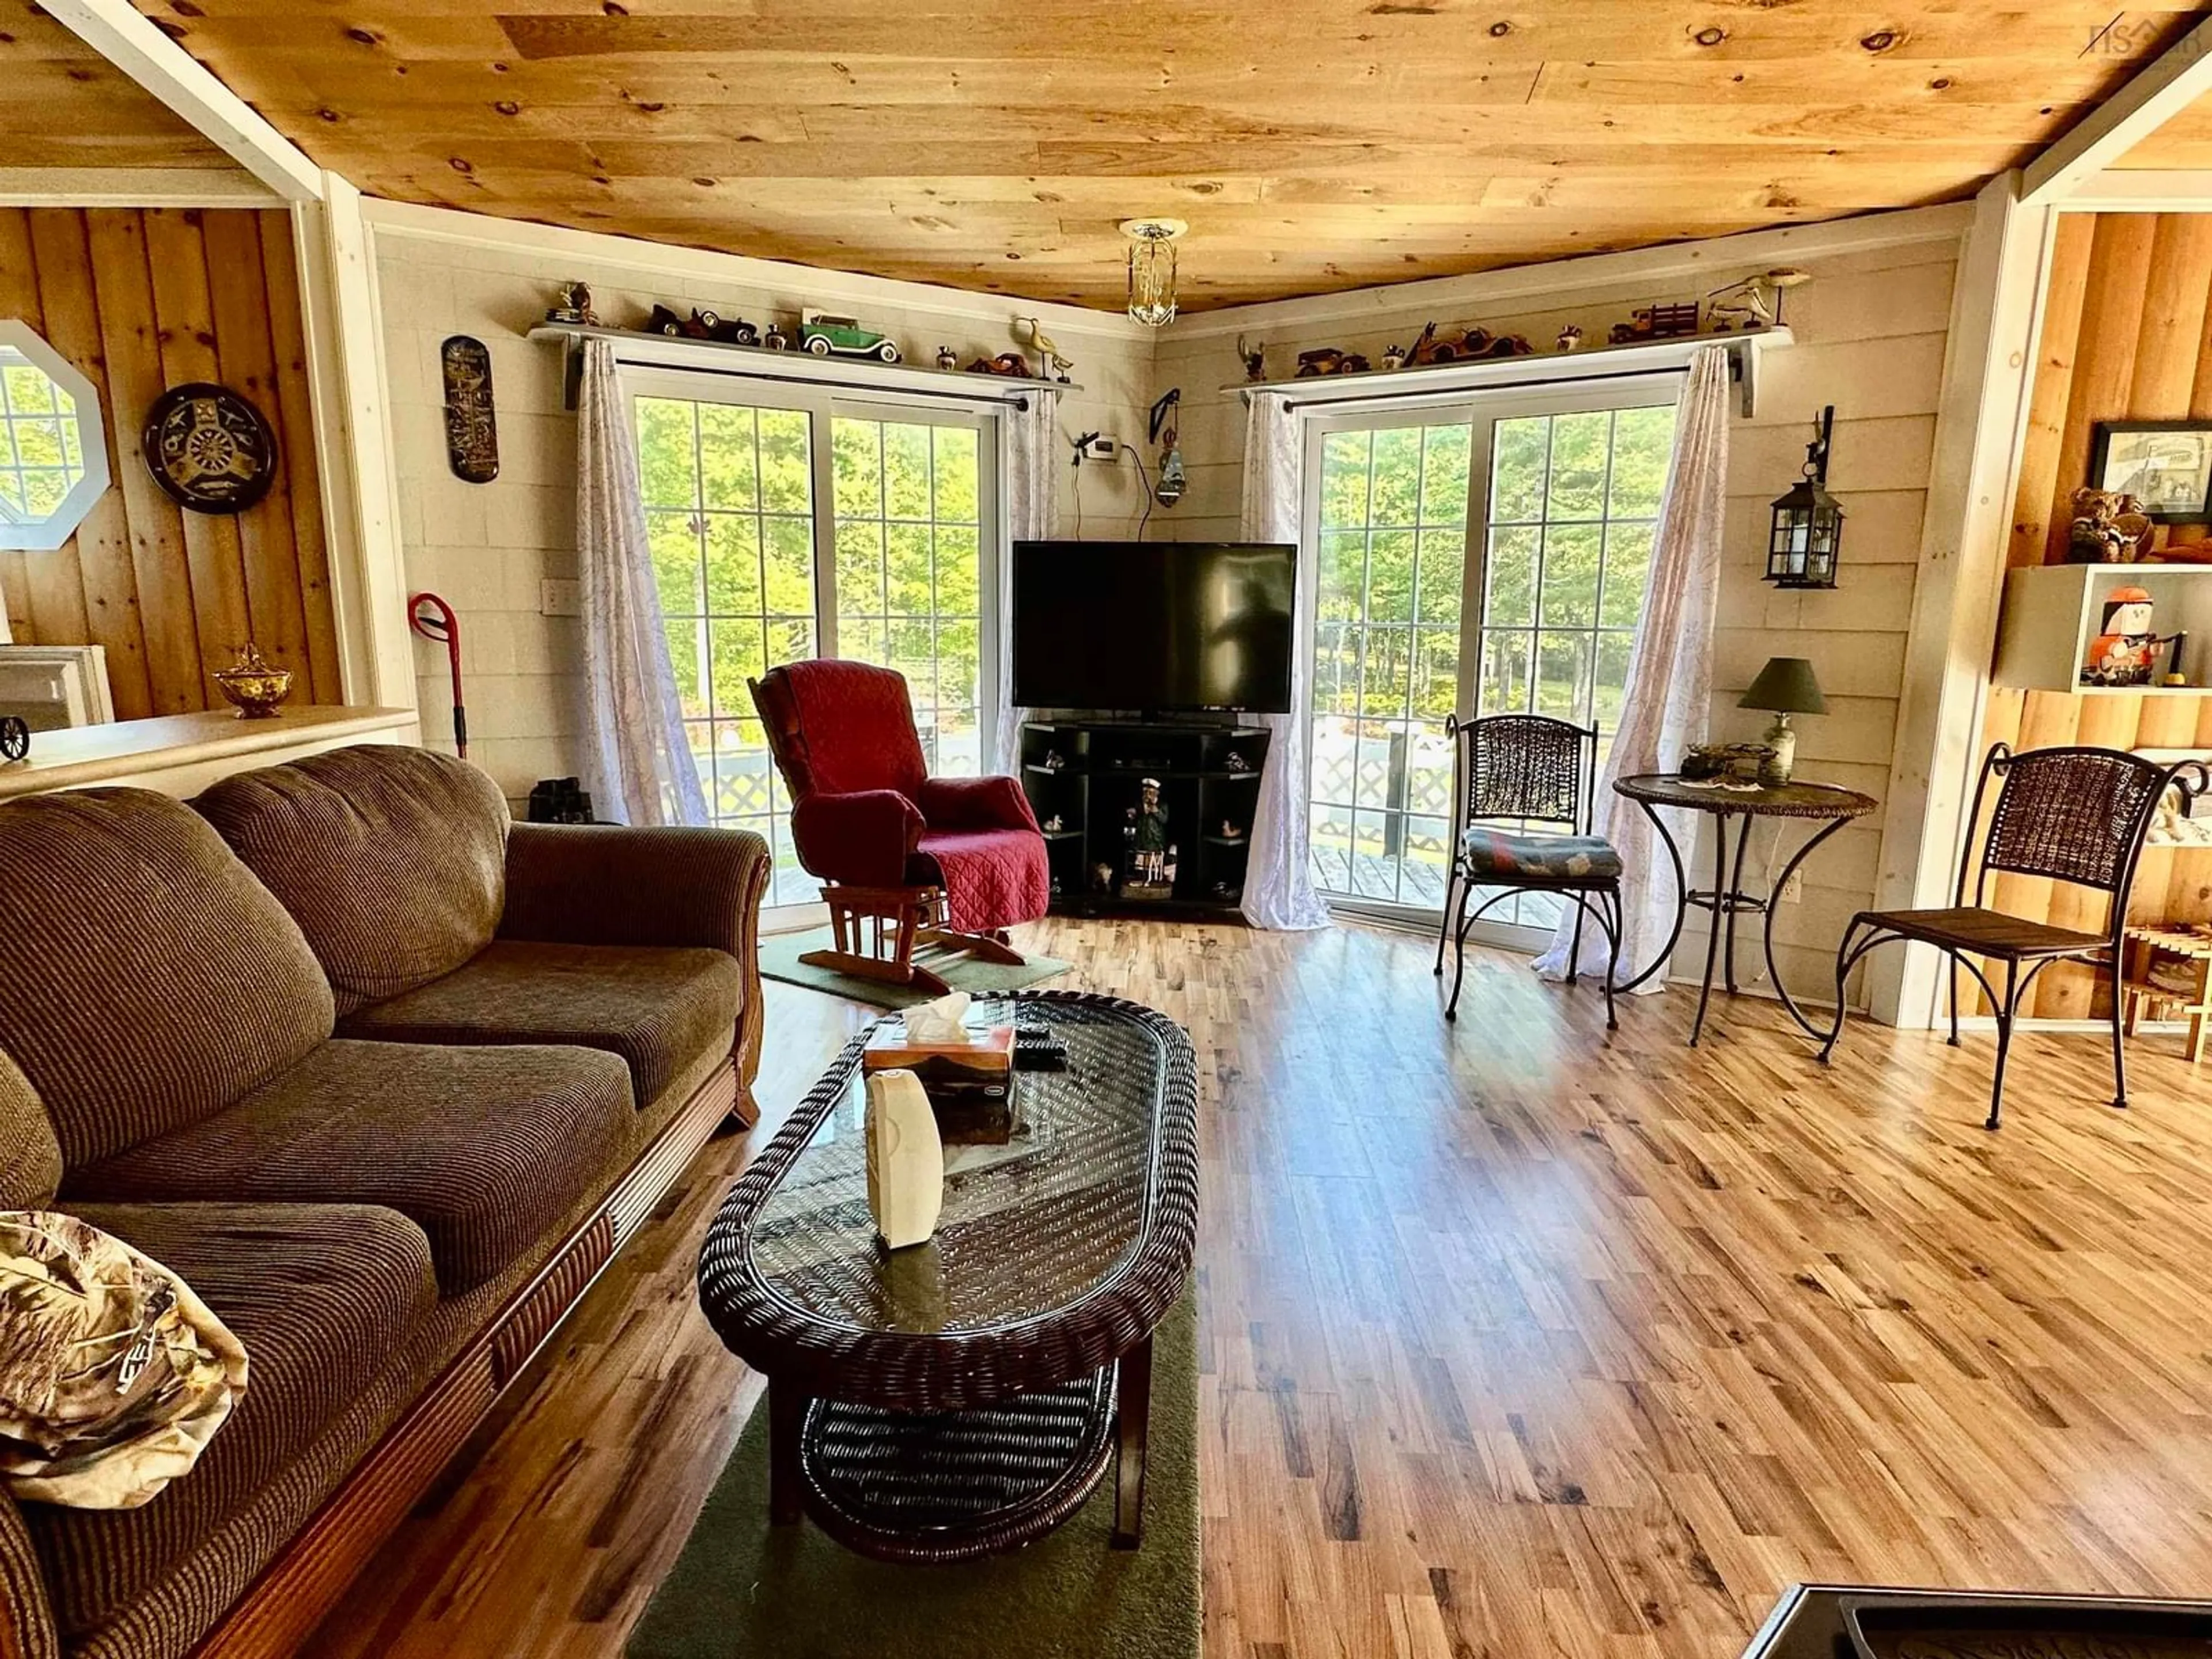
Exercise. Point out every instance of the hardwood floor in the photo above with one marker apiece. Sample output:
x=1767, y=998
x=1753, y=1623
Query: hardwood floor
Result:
x=1514, y=1341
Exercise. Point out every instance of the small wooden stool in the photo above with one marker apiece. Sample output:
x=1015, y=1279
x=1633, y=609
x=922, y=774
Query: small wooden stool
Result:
x=2184, y=950
x=880, y=930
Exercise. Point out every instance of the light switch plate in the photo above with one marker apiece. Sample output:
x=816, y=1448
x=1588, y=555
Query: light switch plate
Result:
x=560, y=597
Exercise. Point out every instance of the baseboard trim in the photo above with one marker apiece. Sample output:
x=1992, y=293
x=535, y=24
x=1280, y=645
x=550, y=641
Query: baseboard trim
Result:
x=308, y=1575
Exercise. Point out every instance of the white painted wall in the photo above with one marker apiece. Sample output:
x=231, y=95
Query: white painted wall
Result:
x=1870, y=333
x=487, y=548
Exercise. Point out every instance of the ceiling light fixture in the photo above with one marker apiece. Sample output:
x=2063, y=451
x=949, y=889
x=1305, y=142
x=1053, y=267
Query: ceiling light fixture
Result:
x=1152, y=269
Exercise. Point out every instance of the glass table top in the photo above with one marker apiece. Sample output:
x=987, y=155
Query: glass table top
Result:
x=1028, y=1228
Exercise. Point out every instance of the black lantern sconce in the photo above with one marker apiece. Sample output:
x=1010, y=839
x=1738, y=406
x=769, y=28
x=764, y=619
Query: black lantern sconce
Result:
x=1808, y=525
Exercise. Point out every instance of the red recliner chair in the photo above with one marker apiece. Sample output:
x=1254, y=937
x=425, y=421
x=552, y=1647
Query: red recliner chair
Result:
x=942, y=863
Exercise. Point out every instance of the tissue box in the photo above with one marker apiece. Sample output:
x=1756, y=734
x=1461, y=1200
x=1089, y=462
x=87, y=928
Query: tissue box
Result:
x=970, y=1085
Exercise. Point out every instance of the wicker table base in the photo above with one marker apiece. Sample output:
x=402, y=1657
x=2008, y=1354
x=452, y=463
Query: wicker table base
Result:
x=953, y=1486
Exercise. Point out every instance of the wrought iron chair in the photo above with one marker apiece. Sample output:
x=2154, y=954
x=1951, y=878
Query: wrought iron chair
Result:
x=2073, y=815
x=1539, y=770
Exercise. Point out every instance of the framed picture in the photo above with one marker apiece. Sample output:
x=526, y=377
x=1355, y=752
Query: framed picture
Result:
x=2167, y=465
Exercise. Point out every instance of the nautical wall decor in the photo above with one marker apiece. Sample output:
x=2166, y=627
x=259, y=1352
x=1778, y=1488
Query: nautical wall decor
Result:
x=471, y=431
x=208, y=448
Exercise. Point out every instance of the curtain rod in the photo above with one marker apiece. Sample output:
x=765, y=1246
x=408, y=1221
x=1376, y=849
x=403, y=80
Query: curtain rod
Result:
x=1019, y=400
x=1460, y=394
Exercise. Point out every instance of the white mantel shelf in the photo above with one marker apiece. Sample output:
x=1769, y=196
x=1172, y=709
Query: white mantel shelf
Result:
x=643, y=349
x=182, y=754
x=1535, y=368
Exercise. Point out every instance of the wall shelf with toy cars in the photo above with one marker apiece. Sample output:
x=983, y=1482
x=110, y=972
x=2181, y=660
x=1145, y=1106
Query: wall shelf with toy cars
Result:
x=2082, y=627
x=1745, y=349
x=636, y=347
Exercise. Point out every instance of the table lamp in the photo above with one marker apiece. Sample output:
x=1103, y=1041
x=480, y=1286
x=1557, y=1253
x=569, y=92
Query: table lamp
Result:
x=1785, y=686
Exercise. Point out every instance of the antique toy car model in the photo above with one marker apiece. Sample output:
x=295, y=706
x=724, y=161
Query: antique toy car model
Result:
x=823, y=334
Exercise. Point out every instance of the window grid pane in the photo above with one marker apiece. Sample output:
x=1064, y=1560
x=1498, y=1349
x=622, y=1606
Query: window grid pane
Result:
x=1393, y=544
x=730, y=519
x=1573, y=504
x=909, y=571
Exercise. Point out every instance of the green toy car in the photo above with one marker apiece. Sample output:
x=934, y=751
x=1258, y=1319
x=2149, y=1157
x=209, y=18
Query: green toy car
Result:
x=823, y=334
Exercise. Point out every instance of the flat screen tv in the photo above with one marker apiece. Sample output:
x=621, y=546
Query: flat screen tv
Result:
x=1153, y=626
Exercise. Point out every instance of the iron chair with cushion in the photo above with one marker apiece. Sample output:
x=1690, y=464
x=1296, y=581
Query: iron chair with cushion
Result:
x=906, y=862
x=2073, y=815
x=1534, y=770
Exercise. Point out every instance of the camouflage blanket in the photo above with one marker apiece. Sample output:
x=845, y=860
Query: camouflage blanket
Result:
x=113, y=1375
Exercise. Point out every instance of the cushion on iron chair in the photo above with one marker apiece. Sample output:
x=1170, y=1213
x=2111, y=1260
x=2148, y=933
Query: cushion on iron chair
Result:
x=1509, y=856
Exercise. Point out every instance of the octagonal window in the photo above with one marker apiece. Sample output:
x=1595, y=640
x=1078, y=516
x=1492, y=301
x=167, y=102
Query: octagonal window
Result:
x=53, y=455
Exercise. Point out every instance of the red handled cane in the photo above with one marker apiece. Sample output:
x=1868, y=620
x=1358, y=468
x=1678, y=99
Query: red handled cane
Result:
x=433, y=619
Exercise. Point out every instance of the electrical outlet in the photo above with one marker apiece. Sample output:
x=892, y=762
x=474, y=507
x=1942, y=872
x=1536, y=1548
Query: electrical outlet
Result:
x=1098, y=447
x=558, y=598
x=1793, y=891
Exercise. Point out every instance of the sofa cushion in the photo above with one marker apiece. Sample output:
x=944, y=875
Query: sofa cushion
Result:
x=150, y=980
x=30, y=1156
x=659, y=1010
x=323, y=1296
x=393, y=860
x=485, y=1149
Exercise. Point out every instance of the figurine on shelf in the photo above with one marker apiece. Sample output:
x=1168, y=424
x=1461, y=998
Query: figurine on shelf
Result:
x=1394, y=356
x=1330, y=360
x=774, y=338
x=1229, y=831
x=1053, y=365
x=1253, y=356
x=2126, y=652
x=1753, y=303
x=1236, y=762
x=1570, y=337
x=2108, y=527
x=1149, y=861
x=947, y=357
x=1461, y=345
x=1649, y=322
x=1101, y=878
x=1012, y=364
x=824, y=334
x=572, y=304
x=1052, y=826
x=1053, y=761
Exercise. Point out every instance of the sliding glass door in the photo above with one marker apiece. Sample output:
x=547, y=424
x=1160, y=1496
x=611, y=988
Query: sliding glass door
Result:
x=814, y=526
x=1487, y=558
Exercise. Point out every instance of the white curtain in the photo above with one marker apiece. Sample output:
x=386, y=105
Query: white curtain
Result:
x=639, y=767
x=1279, y=889
x=1670, y=676
x=1033, y=514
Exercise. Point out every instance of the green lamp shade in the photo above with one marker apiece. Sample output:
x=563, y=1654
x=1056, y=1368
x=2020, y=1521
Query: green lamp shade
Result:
x=1786, y=686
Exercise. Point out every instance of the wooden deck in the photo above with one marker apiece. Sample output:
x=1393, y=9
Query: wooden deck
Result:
x=1516, y=1342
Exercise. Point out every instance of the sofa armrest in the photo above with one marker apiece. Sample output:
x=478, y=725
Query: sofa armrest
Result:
x=862, y=839
x=994, y=803
x=26, y=1617
x=593, y=884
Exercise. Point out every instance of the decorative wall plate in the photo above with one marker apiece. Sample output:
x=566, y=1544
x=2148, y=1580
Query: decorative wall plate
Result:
x=208, y=448
x=471, y=433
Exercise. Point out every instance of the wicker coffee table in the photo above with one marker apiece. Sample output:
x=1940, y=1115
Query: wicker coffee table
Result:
x=966, y=1395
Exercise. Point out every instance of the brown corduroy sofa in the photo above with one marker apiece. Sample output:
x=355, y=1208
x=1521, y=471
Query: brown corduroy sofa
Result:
x=387, y=1080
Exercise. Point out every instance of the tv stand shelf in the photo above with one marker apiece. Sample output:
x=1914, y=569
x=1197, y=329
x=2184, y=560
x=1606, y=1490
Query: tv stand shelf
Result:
x=1089, y=774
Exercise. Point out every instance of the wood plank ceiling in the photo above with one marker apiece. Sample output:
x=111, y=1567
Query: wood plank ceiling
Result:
x=1313, y=144
x=62, y=105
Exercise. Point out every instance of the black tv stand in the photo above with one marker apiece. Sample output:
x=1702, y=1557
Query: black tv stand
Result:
x=1084, y=779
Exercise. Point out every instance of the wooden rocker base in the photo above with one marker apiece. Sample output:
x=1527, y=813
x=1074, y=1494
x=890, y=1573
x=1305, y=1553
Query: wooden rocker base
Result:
x=880, y=930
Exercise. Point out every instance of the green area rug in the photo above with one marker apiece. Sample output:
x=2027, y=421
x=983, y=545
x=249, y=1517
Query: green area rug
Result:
x=780, y=954
x=743, y=1589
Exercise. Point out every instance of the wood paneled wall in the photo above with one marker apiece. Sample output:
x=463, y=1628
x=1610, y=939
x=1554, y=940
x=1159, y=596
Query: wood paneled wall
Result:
x=141, y=301
x=2127, y=335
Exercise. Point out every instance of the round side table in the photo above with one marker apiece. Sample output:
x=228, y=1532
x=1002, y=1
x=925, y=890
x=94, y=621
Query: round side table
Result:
x=1727, y=899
